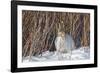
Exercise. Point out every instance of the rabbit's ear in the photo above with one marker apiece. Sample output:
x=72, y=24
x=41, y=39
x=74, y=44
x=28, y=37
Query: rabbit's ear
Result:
x=58, y=29
x=63, y=26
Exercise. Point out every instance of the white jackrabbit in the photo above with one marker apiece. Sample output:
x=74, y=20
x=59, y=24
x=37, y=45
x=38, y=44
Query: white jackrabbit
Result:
x=64, y=43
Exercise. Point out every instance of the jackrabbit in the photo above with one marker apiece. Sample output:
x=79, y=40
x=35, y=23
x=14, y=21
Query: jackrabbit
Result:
x=64, y=43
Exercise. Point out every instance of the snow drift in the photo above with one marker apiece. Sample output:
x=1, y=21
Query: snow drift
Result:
x=76, y=54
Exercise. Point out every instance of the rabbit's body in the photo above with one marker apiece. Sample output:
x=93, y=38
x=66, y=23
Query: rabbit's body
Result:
x=60, y=44
x=64, y=43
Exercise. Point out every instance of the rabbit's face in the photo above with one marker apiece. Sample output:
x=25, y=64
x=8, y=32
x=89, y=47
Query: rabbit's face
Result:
x=62, y=34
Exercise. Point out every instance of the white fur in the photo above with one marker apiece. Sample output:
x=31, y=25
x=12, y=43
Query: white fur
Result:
x=64, y=44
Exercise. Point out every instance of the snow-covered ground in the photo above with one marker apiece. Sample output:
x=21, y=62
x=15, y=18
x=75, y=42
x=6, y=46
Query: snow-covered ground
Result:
x=76, y=54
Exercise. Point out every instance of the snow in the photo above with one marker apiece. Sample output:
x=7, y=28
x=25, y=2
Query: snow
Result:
x=76, y=54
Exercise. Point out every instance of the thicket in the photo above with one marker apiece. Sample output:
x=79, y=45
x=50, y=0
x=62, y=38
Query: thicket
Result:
x=39, y=30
